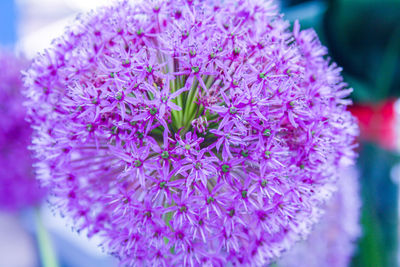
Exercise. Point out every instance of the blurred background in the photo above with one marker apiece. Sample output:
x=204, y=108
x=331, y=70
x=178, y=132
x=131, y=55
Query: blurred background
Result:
x=363, y=36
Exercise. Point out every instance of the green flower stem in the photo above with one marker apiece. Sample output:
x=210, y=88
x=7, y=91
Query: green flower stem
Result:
x=200, y=110
x=150, y=96
x=174, y=118
x=192, y=109
x=189, y=101
x=47, y=254
x=190, y=114
x=209, y=81
x=179, y=85
x=180, y=112
x=176, y=84
x=175, y=114
x=191, y=95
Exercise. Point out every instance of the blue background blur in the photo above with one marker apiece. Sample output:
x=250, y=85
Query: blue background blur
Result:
x=8, y=16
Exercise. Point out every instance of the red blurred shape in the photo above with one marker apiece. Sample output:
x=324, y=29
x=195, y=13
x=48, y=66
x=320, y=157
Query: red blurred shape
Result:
x=377, y=122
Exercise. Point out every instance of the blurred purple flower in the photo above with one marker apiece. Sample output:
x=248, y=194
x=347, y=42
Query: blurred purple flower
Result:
x=188, y=132
x=18, y=187
x=332, y=242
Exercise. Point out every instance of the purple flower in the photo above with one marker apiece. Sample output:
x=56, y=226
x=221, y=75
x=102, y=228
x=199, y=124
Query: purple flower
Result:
x=332, y=241
x=190, y=132
x=18, y=187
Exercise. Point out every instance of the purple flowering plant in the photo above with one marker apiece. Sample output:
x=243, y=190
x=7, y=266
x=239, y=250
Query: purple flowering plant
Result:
x=332, y=242
x=18, y=186
x=189, y=132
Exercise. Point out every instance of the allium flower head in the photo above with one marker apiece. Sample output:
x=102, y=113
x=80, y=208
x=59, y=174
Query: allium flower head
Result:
x=18, y=187
x=332, y=242
x=189, y=132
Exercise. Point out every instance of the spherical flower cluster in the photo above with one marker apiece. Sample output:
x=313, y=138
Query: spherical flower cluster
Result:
x=189, y=132
x=18, y=187
x=331, y=243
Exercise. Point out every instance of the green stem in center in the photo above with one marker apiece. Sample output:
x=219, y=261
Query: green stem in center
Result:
x=47, y=255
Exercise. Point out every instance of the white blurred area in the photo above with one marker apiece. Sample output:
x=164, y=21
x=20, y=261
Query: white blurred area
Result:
x=14, y=238
x=54, y=223
x=40, y=21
